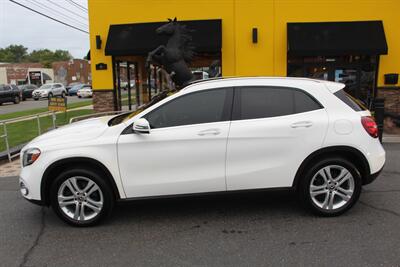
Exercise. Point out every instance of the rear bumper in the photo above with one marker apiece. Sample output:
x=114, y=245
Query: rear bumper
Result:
x=372, y=177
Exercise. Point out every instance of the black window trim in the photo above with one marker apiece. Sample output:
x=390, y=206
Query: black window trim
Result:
x=236, y=109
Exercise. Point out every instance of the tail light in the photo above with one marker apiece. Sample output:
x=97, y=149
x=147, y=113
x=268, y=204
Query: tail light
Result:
x=370, y=126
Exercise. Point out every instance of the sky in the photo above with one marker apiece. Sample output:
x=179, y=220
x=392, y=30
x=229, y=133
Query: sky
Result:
x=21, y=26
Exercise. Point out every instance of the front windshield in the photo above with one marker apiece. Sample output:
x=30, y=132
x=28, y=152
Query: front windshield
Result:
x=127, y=116
x=46, y=86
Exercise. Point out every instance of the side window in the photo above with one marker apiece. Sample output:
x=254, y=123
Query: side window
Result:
x=57, y=86
x=266, y=102
x=303, y=102
x=199, y=107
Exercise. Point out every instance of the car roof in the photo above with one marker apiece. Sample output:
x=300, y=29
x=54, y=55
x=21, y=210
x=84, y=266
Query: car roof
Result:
x=331, y=86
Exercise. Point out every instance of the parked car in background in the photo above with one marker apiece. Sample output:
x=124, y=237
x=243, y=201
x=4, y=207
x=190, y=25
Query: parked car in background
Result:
x=9, y=93
x=86, y=91
x=27, y=90
x=213, y=136
x=69, y=86
x=75, y=88
x=48, y=90
x=200, y=75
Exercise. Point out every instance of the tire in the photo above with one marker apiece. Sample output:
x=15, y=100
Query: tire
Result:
x=16, y=100
x=316, y=190
x=101, y=198
x=36, y=99
x=63, y=95
x=49, y=95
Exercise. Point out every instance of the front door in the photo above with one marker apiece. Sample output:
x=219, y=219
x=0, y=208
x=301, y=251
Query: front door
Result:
x=185, y=151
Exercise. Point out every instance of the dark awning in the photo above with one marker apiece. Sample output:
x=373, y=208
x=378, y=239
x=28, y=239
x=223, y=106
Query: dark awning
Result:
x=336, y=38
x=141, y=38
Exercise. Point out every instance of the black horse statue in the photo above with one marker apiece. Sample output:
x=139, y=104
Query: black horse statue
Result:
x=176, y=54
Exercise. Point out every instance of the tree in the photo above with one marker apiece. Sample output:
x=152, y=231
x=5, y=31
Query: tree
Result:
x=13, y=53
x=19, y=53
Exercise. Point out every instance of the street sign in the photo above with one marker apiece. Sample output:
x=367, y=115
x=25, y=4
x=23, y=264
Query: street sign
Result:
x=58, y=104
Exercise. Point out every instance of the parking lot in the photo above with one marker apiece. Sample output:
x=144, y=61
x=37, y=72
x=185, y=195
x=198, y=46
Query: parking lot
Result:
x=262, y=229
x=32, y=104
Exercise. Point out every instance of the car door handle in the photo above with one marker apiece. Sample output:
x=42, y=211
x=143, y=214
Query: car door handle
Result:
x=209, y=132
x=300, y=124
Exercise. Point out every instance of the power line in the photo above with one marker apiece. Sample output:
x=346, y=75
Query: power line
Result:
x=60, y=6
x=58, y=13
x=44, y=15
x=77, y=5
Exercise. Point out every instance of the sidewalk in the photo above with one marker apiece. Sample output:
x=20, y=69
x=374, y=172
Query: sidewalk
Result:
x=10, y=168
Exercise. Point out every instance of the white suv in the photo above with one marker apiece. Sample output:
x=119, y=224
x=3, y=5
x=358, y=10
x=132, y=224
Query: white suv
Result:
x=48, y=90
x=213, y=136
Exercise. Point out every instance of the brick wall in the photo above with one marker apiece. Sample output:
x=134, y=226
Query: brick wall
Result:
x=392, y=99
x=103, y=101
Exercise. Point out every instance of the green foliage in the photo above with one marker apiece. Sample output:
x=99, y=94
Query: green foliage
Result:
x=19, y=53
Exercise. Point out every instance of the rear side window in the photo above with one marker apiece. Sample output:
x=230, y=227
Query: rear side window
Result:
x=352, y=102
x=265, y=102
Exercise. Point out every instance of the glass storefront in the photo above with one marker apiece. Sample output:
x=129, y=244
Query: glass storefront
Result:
x=356, y=72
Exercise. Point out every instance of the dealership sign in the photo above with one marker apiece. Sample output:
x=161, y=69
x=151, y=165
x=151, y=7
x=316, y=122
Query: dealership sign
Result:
x=58, y=104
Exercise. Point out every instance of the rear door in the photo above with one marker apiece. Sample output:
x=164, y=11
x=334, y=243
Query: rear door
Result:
x=273, y=130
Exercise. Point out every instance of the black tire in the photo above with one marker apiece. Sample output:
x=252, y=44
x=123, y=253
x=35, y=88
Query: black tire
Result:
x=63, y=95
x=16, y=100
x=50, y=95
x=106, y=190
x=36, y=99
x=305, y=184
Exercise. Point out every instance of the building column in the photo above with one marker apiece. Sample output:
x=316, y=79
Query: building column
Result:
x=103, y=100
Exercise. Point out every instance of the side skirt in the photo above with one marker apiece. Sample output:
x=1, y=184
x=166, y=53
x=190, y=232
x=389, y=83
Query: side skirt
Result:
x=217, y=193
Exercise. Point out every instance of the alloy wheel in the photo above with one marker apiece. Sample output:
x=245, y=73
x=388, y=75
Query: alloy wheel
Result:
x=332, y=187
x=80, y=198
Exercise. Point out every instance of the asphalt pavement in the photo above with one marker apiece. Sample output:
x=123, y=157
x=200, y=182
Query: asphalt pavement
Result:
x=259, y=229
x=6, y=108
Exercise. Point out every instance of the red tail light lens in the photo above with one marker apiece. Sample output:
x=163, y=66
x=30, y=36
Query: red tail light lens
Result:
x=370, y=126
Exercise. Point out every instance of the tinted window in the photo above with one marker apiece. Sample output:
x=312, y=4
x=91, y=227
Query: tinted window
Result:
x=352, y=102
x=264, y=102
x=303, y=102
x=195, y=108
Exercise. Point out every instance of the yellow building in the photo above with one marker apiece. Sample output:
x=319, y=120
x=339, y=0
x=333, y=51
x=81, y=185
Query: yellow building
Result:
x=351, y=41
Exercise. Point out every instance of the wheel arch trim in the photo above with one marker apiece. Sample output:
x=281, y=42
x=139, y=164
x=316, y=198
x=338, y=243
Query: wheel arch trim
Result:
x=61, y=164
x=347, y=152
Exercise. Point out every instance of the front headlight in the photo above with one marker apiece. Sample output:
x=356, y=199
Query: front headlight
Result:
x=30, y=156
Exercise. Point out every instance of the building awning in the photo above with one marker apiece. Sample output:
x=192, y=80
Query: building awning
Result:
x=141, y=38
x=46, y=77
x=336, y=38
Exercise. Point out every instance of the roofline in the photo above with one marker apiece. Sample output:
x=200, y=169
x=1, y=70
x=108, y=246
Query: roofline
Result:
x=253, y=78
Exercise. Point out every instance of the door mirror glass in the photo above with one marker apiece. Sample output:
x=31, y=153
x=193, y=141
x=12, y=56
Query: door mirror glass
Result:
x=141, y=126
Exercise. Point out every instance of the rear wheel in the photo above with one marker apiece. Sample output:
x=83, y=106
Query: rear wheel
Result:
x=81, y=197
x=330, y=187
x=16, y=100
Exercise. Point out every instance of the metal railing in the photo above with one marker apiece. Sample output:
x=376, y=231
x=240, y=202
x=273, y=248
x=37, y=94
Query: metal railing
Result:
x=4, y=124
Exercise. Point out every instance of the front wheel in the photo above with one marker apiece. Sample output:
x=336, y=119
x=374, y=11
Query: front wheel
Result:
x=63, y=95
x=16, y=99
x=330, y=187
x=81, y=197
x=50, y=95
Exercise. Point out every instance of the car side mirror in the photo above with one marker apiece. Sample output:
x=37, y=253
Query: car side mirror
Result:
x=141, y=126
